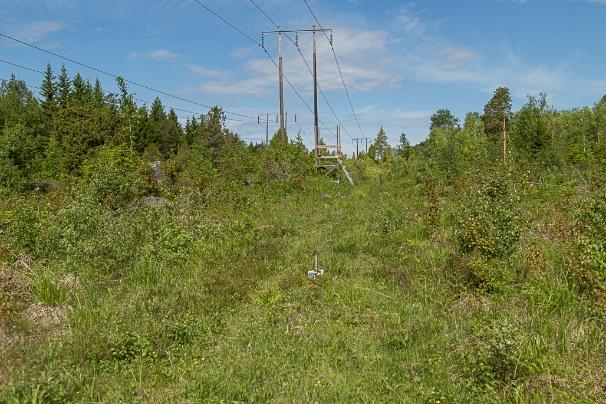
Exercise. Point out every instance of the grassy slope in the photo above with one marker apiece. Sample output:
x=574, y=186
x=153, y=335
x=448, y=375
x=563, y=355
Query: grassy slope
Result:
x=238, y=320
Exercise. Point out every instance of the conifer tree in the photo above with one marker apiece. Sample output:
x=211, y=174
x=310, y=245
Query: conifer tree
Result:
x=404, y=146
x=48, y=91
x=98, y=96
x=497, y=112
x=444, y=119
x=78, y=89
x=63, y=87
x=382, y=149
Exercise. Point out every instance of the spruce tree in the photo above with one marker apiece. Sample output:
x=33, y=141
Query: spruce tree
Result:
x=98, y=96
x=48, y=91
x=64, y=86
x=381, y=146
x=404, y=146
x=78, y=89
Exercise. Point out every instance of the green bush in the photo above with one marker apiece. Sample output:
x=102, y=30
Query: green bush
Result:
x=85, y=235
x=588, y=268
x=10, y=176
x=116, y=177
x=22, y=227
x=190, y=170
x=285, y=164
x=489, y=224
x=499, y=355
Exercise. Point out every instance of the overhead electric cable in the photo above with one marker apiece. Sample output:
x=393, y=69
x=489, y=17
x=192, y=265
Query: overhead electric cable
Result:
x=116, y=76
x=251, y=39
x=271, y=20
x=338, y=66
x=136, y=99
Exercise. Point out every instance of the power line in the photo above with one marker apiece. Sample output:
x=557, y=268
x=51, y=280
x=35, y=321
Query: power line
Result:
x=20, y=66
x=116, y=76
x=338, y=66
x=111, y=93
x=271, y=20
x=248, y=37
x=228, y=23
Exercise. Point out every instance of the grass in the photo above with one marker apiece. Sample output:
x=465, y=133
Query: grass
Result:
x=227, y=313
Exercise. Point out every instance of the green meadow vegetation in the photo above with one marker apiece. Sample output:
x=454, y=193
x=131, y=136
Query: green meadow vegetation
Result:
x=468, y=268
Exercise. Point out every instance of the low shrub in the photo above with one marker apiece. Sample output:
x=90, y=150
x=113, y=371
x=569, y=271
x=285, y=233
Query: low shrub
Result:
x=489, y=224
x=588, y=266
x=116, y=177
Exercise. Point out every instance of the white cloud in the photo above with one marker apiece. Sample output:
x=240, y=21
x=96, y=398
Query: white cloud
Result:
x=203, y=71
x=158, y=54
x=364, y=58
x=38, y=31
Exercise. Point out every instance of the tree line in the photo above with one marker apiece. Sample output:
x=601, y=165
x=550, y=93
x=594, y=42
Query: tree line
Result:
x=48, y=136
x=536, y=134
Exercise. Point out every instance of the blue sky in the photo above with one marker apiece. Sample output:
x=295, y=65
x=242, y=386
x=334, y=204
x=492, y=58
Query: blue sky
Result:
x=402, y=60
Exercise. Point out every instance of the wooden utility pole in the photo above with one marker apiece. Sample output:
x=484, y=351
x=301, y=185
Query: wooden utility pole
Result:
x=316, y=117
x=266, y=129
x=266, y=125
x=359, y=140
x=320, y=158
x=281, y=69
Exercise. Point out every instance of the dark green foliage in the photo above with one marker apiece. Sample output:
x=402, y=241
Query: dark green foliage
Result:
x=48, y=92
x=498, y=356
x=19, y=106
x=404, y=147
x=444, y=119
x=79, y=129
x=381, y=150
x=131, y=346
x=64, y=87
x=530, y=130
x=497, y=113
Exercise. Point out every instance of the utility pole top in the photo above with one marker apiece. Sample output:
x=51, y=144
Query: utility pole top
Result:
x=293, y=31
